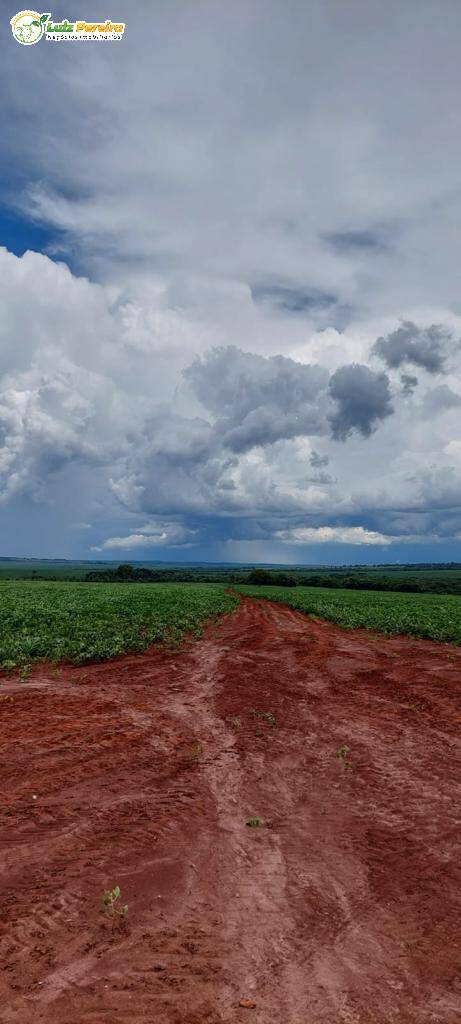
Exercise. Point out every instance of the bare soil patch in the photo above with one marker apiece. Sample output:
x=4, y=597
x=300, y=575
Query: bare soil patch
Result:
x=280, y=804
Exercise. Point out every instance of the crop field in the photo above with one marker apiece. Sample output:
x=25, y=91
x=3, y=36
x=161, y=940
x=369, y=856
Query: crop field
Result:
x=433, y=616
x=83, y=622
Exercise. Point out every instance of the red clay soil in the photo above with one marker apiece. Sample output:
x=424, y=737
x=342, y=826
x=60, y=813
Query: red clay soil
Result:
x=344, y=905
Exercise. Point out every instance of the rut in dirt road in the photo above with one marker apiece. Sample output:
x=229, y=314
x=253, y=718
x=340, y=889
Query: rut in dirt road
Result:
x=341, y=905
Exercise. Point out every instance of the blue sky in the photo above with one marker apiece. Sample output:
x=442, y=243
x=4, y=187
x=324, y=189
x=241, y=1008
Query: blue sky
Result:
x=231, y=320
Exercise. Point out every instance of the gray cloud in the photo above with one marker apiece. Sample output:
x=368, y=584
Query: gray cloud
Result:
x=232, y=447
x=259, y=400
x=362, y=397
x=441, y=399
x=293, y=299
x=408, y=382
x=365, y=241
x=424, y=347
x=317, y=461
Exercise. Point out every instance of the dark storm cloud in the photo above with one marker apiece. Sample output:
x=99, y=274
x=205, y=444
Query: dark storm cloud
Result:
x=422, y=346
x=259, y=400
x=362, y=397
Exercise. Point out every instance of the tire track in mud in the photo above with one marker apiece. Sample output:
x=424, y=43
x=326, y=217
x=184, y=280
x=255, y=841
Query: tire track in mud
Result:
x=344, y=907
x=250, y=875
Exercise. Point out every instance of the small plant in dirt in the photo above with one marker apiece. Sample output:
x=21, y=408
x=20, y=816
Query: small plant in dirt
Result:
x=197, y=751
x=24, y=672
x=267, y=715
x=256, y=822
x=343, y=751
x=111, y=902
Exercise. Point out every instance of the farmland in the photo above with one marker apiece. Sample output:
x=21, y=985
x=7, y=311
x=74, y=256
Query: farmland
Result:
x=433, y=616
x=81, y=622
x=341, y=903
x=432, y=578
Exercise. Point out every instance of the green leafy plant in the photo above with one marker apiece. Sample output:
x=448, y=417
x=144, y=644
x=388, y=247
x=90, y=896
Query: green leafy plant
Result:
x=267, y=715
x=24, y=672
x=197, y=751
x=256, y=822
x=111, y=903
x=434, y=616
x=81, y=622
x=42, y=20
x=343, y=751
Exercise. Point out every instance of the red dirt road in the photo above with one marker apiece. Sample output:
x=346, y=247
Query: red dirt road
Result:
x=343, y=906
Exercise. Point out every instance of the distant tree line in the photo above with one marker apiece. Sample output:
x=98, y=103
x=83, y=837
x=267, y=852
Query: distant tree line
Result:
x=371, y=580
x=357, y=581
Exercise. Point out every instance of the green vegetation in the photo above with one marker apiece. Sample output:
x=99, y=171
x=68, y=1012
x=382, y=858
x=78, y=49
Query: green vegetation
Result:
x=82, y=622
x=426, y=578
x=111, y=903
x=267, y=715
x=432, y=616
x=197, y=751
x=412, y=579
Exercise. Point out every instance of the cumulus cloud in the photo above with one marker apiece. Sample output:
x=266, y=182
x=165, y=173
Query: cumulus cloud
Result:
x=46, y=424
x=218, y=442
x=259, y=400
x=425, y=347
x=356, y=535
x=164, y=535
x=363, y=398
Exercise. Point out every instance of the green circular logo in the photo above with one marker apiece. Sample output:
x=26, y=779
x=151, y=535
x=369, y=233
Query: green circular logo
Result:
x=28, y=27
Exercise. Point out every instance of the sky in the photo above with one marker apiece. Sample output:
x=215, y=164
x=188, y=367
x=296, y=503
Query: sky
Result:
x=230, y=316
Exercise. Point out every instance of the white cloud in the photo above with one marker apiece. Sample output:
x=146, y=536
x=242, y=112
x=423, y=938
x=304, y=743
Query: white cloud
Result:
x=135, y=540
x=169, y=534
x=336, y=534
x=234, y=438
x=453, y=448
